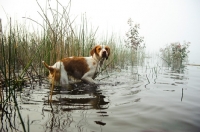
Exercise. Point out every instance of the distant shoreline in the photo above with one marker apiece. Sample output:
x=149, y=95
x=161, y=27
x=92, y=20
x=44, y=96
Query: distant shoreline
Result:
x=193, y=64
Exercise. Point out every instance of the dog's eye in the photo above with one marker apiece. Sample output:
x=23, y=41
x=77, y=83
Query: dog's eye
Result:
x=99, y=49
x=107, y=49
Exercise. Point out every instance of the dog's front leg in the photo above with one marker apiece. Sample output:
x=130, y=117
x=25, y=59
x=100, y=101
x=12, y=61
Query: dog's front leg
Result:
x=87, y=77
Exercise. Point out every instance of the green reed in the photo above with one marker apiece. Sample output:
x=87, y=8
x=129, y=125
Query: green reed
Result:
x=9, y=79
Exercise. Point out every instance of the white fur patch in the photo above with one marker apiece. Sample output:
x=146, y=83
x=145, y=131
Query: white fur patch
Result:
x=63, y=73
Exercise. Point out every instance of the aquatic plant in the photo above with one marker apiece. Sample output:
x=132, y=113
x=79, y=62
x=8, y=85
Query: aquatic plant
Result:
x=180, y=52
x=175, y=54
x=133, y=40
x=135, y=43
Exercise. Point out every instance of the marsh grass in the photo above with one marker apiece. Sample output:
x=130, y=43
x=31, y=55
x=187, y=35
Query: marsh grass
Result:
x=22, y=51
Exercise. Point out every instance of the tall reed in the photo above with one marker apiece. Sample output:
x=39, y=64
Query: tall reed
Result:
x=9, y=79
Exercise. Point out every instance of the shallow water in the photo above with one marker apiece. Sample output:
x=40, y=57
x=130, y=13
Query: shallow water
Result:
x=157, y=99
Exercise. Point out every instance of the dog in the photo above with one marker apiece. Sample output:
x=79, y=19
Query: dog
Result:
x=82, y=68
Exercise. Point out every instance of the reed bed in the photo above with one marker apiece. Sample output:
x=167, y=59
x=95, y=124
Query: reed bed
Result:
x=22, y=51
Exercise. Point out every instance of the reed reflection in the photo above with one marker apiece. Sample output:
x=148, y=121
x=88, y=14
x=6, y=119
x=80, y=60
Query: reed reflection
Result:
x=8, y=118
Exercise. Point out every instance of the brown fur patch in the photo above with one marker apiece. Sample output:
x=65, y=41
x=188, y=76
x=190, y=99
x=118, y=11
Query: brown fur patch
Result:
x=98, y=49
x=108, y=50
x=76, y=66
x=95, y=50
x=55, y=74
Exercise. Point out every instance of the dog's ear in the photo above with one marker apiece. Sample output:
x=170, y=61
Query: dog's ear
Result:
x=93, y=51
x=108, y=51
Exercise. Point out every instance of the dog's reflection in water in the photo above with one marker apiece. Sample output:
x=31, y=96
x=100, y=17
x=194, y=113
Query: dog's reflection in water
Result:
x=79, y=96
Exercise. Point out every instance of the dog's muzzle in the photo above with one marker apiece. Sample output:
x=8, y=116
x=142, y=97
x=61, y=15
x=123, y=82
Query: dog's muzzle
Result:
x=104, y=55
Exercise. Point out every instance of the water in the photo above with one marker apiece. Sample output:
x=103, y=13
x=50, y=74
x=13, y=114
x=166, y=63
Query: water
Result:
x=158, y=100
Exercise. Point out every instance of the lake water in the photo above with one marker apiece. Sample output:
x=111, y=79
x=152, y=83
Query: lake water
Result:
x=155, y=100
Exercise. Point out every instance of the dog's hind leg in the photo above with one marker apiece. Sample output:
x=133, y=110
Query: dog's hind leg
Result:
x=88, y=80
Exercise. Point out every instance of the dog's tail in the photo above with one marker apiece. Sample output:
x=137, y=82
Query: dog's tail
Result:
x=51, y=69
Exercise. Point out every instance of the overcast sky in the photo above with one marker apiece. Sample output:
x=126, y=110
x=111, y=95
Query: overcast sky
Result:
x=161, y=21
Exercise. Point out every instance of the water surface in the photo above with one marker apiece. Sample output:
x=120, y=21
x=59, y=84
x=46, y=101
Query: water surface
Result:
x=157, y=99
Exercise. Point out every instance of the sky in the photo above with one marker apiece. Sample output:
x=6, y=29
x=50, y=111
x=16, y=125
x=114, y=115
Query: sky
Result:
x=161, y=21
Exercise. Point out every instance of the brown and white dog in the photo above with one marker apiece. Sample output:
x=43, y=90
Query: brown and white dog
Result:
x=83, y=68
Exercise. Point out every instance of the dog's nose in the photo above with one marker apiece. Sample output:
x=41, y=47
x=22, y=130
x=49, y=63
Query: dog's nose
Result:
x=104, y=55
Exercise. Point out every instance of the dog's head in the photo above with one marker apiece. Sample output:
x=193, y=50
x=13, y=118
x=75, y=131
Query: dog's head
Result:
x=101, y=51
